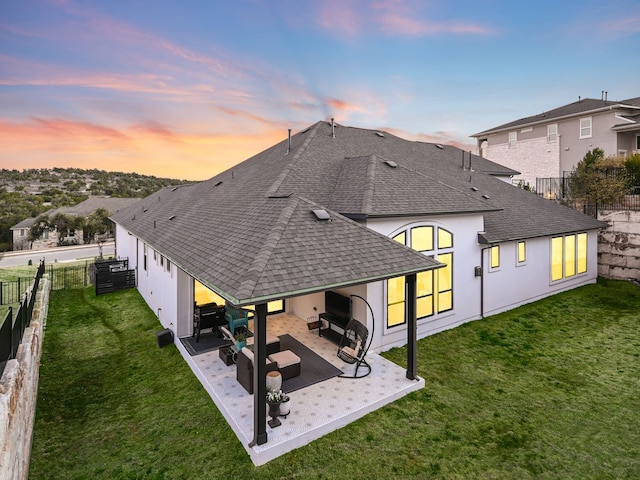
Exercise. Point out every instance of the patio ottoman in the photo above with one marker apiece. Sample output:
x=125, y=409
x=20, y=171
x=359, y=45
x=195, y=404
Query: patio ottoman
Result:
x=288, y=363
x=273, y=343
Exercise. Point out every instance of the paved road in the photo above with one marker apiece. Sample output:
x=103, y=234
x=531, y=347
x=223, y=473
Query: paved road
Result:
x=60, y=254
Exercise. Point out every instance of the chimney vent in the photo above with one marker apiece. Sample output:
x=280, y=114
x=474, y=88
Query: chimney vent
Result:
x=333, y=128
x=289, y=142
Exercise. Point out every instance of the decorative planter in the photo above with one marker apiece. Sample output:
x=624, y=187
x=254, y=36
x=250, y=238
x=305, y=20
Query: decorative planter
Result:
x=274, y=411
x=285, y=407
x=274, y=381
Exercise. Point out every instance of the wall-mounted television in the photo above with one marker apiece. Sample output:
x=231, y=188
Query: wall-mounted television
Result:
x=338, y=305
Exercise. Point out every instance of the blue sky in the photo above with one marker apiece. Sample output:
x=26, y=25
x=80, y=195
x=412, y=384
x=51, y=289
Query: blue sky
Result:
x=187, y=89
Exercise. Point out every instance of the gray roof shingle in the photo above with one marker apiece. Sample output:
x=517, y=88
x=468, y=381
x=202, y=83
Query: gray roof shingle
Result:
x=250, y=235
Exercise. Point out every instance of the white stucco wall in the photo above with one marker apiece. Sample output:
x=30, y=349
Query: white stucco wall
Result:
x=512, y=285
x=157, y=285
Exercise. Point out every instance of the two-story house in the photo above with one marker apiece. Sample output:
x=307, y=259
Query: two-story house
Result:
x=551, y=143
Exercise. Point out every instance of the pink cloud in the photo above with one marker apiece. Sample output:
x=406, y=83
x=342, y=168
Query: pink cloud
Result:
x=623, y=26
x=393, y=17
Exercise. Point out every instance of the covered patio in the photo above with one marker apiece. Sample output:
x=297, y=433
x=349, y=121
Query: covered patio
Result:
x=316, y=409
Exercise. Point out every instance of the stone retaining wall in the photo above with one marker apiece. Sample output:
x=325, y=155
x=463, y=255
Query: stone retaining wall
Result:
x=18, y=393
x=619, y=245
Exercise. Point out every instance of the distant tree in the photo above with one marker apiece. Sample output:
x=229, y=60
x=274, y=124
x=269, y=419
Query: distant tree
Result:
x=632, y=165
x=41, y=224
x=98, y=223
x=599, y=179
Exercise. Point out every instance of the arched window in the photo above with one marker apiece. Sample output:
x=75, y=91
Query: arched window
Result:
x=434, y=288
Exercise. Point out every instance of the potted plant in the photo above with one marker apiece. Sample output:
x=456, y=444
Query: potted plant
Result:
x=274, y=398
x=241, y=339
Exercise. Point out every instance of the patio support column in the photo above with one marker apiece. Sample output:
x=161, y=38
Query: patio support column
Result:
x=412, y=326
x=260, y=375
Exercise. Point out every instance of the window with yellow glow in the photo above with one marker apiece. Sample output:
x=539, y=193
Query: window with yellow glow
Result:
x=522, y=252
x=445, y=239
x=568, y=256
x=434, y=288
x=556, y=258
x=202, y=295
x=422, y=239
x=582, y=252
x=495, y=256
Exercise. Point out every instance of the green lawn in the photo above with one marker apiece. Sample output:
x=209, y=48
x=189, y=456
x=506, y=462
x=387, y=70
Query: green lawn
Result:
x=550, y=390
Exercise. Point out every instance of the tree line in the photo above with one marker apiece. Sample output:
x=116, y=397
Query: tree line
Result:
x=32, y=192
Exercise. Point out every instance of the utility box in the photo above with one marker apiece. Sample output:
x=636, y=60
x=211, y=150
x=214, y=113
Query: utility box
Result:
x=165, y=337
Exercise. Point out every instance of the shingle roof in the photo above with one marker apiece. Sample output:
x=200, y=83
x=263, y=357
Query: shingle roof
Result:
x=249, y=233
x=91, y=204
x=580, y=107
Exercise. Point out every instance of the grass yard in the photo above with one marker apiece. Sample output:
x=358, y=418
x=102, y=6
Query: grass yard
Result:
x=547, y=391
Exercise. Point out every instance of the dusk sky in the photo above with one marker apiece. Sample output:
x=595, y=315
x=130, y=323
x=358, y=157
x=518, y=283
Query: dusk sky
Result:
x=187, y=89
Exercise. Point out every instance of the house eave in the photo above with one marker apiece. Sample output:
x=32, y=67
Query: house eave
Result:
x=552, y=120
x=321, y=288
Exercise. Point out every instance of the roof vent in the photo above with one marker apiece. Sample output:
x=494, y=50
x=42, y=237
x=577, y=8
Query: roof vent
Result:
x=391, y=163
x=172, y=217
x=219, y=182
x=475, y=189
x=380, y=134
x=321, y=215
x=333, y=128
x=439, y=146
x=174, y=189
x=485, y=196
x=288, y=142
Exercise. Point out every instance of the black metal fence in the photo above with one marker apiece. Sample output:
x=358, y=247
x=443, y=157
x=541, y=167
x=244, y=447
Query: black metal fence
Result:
x=13, y=327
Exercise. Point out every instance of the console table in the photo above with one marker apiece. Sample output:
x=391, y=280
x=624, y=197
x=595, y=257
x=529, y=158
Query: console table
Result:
x=330, y=333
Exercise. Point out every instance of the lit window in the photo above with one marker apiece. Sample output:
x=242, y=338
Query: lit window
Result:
x=582, y=252
x=568, y=256
x=552, y=133
x=513, y=138
x=495, y=256
x=422, y=239
x=434, y=288
x=445, y=239
x=522, y=252
x=585, y=127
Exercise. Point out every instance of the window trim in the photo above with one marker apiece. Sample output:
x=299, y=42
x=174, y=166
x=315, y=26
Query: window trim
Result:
x=552, y=137
x=406, y=235
x=576, y=266
x=511, y=142
x=590, y=127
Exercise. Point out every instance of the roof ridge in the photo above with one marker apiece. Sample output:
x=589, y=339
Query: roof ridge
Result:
x=261, y=260
x=276, y=184
x=367, y=201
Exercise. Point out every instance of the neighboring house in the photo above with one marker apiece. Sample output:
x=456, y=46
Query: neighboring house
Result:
x=51, y=238
x=551, y=143
x=430, y=236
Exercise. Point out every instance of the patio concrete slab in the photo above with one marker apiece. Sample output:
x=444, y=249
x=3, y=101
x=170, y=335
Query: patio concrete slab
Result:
x=315, y=410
